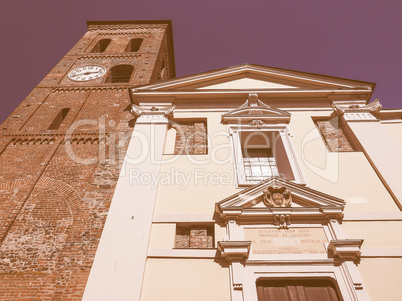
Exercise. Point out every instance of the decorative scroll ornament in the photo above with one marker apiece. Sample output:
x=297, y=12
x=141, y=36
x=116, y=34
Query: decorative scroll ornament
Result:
x=137, y=111
x=372, y=107
x=253, y=101
x=282, y=221
x=257, y=123
x=275, y=196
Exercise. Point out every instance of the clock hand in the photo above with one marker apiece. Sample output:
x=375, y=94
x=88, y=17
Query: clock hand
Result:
x=87, y=73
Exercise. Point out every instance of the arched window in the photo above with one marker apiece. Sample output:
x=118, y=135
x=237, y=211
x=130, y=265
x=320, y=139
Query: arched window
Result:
x=120, y=74
x=101, y=45
x=134, y=45
x=59, y=119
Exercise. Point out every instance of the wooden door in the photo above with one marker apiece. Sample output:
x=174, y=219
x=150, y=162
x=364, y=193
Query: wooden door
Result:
x=297, y=290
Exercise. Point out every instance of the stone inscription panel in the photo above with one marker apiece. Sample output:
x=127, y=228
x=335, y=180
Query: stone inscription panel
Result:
x=286, y=241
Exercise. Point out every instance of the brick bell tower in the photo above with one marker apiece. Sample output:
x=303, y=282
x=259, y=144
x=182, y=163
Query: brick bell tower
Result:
x=60, y=155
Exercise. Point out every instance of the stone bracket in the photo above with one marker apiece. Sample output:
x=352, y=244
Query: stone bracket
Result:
x=333, y=212
x=345, y=249
x=234, y=251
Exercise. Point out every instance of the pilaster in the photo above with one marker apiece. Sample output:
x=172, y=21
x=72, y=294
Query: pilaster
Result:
x=118, y=268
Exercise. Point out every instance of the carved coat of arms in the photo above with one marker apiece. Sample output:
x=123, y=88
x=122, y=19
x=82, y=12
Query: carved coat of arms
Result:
x=277, y=196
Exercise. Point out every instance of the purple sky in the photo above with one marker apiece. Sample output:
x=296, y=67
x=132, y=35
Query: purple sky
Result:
x=353, y=39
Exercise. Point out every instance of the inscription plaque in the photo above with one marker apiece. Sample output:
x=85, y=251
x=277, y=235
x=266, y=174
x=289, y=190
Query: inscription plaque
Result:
x=286, y=241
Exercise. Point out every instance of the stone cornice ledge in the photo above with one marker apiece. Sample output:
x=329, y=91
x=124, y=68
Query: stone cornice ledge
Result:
x=345, y=249
x=234, y=251
x=182, y=253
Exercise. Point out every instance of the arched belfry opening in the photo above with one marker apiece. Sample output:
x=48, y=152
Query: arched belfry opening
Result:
x=59, y=119
x=134, y=45
x=101, y=45
x=120, y=74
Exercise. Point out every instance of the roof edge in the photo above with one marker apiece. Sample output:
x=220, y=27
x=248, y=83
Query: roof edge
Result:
x=247, y=66
x=120, y=22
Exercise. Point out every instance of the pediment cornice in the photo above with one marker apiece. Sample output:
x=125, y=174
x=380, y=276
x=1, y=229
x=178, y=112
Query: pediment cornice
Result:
x=251, y=205
x=256, y=113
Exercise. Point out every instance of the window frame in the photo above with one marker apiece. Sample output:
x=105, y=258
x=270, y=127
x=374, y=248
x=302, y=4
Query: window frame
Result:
x=257, y=157
x=283, y=134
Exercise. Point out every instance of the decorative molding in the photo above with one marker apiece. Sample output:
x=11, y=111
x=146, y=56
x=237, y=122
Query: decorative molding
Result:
x=313, y=205
x=282, y=221
x=107, y=87
x=372, y=107
x=255, y=113
x=182, y=253
x=127, y=33
x=238, y=286
x=91, y=134
x=358, y=112
x=87, y=140
x=46, y=139
x=137, y=111
x=33, y=141
x=126, y=27
x=382, y=252
x=345, y=249
x=277, y=196
x=111, y=56
x=372, y=216
x=298, y=261
x=234, y=251
x=253, y=101
x=257, y=123
x=183, y=218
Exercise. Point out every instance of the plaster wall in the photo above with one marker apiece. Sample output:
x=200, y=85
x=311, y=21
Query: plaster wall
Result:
x=185, y=279
x=375, y=233
x=343, y=174
x=381, y=277
x=162, y=236
x=346, y=175
x=383, y=151
x=395, y=131
x=202, y=180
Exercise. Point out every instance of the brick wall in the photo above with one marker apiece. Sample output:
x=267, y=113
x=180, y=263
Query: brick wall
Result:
x=334, y=136
x=194, y=236
x=191, y=137
x=56, y=189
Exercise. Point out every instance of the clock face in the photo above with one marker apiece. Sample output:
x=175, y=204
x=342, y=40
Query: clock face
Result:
x=85, y=73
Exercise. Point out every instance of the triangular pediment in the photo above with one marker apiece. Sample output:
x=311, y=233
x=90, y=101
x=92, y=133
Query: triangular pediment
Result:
x=246, y=83
x=254, y=77
x=298, y=200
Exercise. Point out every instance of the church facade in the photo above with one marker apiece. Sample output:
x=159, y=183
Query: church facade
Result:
x=121, y=182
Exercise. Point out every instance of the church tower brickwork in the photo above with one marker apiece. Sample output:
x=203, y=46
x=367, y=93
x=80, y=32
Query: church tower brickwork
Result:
x=60, y=155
